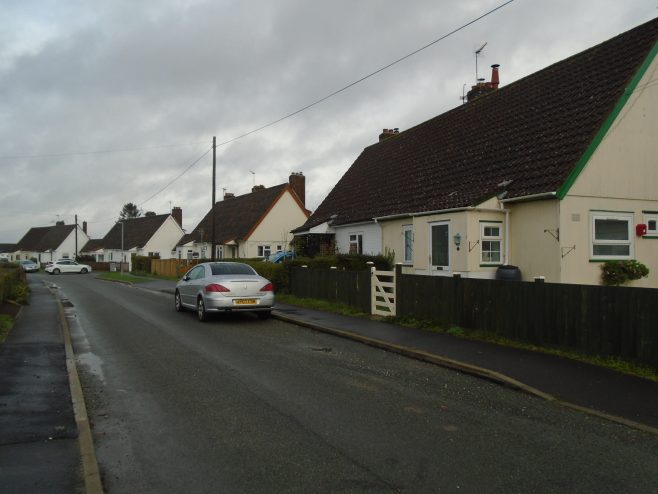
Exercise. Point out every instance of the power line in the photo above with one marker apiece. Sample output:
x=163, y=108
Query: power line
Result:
x=358, y=81
x=177, y=176
x=103, y=151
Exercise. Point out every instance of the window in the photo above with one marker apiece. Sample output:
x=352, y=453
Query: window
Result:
x=491, y=239
x=611, y=235
x=279, y=248
x=264, y=251
x=651, y=220
x=356, y=243
x=408, y=243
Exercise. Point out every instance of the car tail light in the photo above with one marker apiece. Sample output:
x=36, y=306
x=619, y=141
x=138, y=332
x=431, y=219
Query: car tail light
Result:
x=216, y=287
x=267, y=288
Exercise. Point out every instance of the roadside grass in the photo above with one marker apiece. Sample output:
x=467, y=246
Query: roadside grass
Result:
x=613, y=363
x=325, y=305
x=6, y=322
x=125, y=277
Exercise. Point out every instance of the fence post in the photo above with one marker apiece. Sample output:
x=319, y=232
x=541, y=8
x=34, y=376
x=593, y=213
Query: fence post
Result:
x=397, y=280
x=458, y=294
x=539, y=294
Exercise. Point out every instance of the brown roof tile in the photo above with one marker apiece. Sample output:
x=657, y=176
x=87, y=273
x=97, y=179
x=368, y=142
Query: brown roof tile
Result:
x=136, y=232
x=236, y=217
x=44, y=238
x=532, y=132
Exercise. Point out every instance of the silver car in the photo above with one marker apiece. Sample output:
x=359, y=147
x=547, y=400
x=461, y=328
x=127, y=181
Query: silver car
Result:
x=67, y=266
x=29, y=266
x=213, y=287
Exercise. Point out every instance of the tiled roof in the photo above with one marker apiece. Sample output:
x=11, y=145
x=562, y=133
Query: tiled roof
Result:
x=531, y=132
x=136, y=232
x=92, y=245
x=44, y=238
x=236, y=217
x=7, y=248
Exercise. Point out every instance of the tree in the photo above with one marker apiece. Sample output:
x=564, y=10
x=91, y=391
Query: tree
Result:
x=129, y=210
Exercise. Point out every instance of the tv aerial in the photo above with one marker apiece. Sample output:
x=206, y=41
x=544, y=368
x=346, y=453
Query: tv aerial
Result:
x=477, y=54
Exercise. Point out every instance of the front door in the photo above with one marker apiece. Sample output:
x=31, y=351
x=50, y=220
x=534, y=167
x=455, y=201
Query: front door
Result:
x=439, y=247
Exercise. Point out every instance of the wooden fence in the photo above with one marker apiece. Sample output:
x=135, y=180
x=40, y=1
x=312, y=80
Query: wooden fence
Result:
x=598, y=320
x=348, y=287
x=172, y=267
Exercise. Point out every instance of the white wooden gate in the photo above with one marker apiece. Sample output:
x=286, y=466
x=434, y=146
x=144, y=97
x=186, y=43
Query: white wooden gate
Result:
x=382, y=292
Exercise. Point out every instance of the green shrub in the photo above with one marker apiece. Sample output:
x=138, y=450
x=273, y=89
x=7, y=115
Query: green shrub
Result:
x=620, y=272
x=141, y=264
x=13, y=285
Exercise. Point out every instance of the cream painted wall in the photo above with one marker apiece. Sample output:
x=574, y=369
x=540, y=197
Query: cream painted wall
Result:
x=466, y=223
x=275, y=228
x=164, y=239
x=621, y=176
x=576, y=266
x=535, y=251
x=625, y=164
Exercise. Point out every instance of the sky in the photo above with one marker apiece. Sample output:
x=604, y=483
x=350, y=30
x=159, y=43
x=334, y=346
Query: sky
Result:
x=114, y=101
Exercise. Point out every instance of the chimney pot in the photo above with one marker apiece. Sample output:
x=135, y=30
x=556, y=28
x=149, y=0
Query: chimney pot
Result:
x=495, y=80
x=84, y=227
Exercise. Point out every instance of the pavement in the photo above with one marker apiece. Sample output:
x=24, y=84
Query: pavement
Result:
x=45, y=441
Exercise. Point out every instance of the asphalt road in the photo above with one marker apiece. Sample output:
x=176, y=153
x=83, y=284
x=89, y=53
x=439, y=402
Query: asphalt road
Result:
x=242, y=405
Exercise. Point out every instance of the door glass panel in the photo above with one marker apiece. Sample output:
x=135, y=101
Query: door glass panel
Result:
x=440, y=245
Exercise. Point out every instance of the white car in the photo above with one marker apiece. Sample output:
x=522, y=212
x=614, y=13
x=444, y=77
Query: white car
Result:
x=67, y=266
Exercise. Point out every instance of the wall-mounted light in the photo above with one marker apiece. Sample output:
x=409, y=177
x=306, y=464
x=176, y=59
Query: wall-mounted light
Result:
x=458, y=240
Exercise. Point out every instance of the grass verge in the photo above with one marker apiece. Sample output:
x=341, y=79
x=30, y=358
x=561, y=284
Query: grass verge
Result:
x=613, y=363
x=6, y=322
x=325, y=305
x=125, y=277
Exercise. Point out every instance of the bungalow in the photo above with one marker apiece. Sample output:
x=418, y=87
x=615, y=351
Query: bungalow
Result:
x=554, y=173
x=49, y=243
x=256, y=224
x=153, y=235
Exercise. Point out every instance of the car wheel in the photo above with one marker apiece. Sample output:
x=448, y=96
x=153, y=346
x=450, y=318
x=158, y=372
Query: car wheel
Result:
x=264, y=314
x=83, y=271
x=56, y=271
x=201, y=310
x=178, y=305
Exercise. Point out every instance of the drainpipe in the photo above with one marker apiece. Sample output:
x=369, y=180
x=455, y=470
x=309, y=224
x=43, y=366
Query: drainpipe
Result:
x=507, y=239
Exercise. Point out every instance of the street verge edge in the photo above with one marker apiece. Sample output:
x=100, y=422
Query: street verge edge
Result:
x=90, y=471
x=470, y=369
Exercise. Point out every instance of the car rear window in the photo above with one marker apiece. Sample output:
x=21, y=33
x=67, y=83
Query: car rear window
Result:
x=233, y=268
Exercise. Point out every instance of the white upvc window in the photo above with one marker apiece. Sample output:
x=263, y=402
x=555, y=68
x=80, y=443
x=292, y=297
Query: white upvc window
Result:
x=356, y=243
x=264, y=251
x=612, y=237
x=651, y=220
x=491, y=242
x=408, y=243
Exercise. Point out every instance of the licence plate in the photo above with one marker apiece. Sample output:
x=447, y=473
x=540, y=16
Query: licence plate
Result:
x=245, y=301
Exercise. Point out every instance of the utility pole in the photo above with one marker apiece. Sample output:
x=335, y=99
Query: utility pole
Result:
x=214, y=166
x=76, y=238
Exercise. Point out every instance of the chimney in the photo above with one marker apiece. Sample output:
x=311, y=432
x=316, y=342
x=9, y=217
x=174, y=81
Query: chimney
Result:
x=177, y=214
x=386, y=133
x=482, y=87
x=229, y=195
x=297, y=182
x=59, y=223
x=257, y=187
x=84, y=227
x=495, y=81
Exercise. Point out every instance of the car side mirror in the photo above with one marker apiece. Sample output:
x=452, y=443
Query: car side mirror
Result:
x=186, y=278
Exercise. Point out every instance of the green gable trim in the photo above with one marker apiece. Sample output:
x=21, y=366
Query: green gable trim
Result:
x=598, y=138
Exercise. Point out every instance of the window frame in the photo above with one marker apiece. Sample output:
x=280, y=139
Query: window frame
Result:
x=611, y=215
x=358, y=242
x=500, y=238
x=264, y=251
x=408, y=259
x=648, y=217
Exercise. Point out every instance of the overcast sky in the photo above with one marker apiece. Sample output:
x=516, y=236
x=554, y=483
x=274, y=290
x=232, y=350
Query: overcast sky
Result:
x=106, y=102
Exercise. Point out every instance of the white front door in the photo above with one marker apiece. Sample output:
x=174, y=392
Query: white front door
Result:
x=439, y=261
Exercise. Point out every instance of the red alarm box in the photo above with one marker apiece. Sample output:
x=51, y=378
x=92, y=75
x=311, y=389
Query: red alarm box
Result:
x=641, y=229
